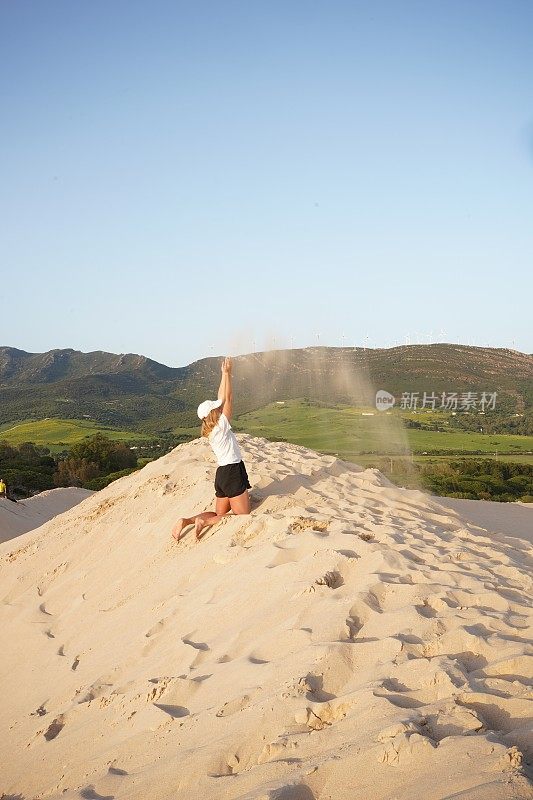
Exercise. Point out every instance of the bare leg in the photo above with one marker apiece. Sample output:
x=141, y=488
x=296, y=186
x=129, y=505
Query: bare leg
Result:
x=222, y=507
x=206, y=520
x=241, y=503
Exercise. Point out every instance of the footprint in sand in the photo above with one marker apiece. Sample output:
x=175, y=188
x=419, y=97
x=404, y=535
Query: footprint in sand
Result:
x=202, y=649
x=97, y=689
x=173, y=695
x=293, y=791
x=196, y=645
x=90, y=793
x=425, y=610
x=55, y=728
x=348, y=553
x=374, y=597
x=332, y=579
x=355, y=622
x=232, y=706
x=156, y=629
x=117, y=771
x=154, y=632
x=314, y=684
x=176, y=712
x=256, y=659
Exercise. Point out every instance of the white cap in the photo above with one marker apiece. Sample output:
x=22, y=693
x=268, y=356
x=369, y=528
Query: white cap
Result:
x=207, y=406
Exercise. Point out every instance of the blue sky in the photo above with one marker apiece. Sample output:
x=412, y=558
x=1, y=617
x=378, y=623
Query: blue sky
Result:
x=186, y=179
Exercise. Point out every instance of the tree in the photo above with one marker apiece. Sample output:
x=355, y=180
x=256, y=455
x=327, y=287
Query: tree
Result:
x=92, y=458
x=75, y=472
x=99, y=449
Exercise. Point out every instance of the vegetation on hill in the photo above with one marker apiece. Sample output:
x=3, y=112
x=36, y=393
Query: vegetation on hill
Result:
x=59, y=434
x=93, y=463
x=95, y=457
x=26, y=469
x=480, y=480
x=322, y=398
x=422, y=454
x=130, y=391
x=349, y=432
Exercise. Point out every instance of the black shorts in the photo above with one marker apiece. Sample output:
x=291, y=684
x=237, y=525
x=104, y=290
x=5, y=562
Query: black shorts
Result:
x=231, y=480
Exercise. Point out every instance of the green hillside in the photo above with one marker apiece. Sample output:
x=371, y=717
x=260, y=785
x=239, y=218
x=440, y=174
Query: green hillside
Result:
x=132, y=392
x=56, y=433
x=350, y=432
x=459, y=463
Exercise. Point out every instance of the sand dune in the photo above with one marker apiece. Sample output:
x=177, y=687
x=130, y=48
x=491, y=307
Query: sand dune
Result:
x=17, y=518
x=346, y=640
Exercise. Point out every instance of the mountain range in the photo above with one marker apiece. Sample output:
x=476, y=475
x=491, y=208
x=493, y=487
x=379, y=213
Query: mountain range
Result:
x=128, y=390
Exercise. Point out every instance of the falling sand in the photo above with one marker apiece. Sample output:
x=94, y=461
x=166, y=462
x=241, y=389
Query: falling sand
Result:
x=337, y=378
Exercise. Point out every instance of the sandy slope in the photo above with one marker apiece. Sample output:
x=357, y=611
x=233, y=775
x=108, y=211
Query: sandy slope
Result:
x=347, y=640
x=17, y=518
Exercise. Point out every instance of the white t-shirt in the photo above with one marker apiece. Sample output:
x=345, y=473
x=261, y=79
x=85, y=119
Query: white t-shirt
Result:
x=224, y=443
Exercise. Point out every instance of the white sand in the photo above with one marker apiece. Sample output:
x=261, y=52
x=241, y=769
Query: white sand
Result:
x=346, y=640
x=17, y=518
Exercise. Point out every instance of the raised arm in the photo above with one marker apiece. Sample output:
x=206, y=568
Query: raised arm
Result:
x=227, y=408
x=222, y=388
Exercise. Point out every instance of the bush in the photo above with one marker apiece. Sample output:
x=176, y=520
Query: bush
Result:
x=75, y=472
x=94, y=458
x=110, y=456
x=26, y=469
x=479, y=480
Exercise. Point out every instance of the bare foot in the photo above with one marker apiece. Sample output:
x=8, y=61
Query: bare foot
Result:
x=177, y=529
x=199, y=525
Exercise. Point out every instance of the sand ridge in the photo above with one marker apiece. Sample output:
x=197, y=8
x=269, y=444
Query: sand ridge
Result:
x=25, y=515
x=347, y=639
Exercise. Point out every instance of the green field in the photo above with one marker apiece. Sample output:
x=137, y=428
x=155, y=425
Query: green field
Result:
x=351, y=432
x=413, y=457
x=345, y=431
x=60, y=433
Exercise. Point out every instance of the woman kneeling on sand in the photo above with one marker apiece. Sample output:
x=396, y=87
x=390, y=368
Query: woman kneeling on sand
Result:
x=231, y=478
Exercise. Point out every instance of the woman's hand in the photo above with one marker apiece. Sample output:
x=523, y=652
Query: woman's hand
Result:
x=226, y=366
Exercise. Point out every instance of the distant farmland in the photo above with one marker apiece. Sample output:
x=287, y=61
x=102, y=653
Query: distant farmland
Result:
x=55, y=433
x=349, y=432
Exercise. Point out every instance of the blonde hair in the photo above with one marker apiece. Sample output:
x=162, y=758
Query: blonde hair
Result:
x=209, y=422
